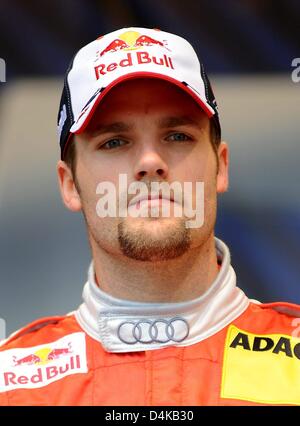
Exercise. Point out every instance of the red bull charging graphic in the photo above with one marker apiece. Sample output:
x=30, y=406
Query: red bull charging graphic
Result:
x=132, y=40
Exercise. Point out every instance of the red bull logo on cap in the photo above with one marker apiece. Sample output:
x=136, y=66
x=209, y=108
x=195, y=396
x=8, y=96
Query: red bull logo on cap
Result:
x=41, y=365
x=131, y=40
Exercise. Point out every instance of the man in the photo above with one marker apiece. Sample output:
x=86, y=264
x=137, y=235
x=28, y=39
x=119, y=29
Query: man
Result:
x=162, y=321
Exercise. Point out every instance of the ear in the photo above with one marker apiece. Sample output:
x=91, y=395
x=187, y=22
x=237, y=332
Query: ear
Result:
x=67, y=187
x=223, y=172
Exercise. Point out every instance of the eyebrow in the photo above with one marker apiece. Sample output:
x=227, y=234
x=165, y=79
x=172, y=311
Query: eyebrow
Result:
x=116, y=127
x=176, y=121
x=163, y=123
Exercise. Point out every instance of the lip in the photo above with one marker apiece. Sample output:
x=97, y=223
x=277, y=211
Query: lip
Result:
x=138, y=201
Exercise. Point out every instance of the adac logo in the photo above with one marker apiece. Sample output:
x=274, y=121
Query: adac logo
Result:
x=131, y=40
x=274, y=343
x=43, y=356
x=263, y=368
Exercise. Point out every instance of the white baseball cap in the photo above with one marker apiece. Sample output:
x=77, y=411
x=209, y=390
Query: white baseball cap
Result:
x=126, y=54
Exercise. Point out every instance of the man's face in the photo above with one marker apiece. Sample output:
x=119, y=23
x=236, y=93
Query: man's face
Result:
x=151, y=131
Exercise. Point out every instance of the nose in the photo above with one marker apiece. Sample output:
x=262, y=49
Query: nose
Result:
x=150, y=165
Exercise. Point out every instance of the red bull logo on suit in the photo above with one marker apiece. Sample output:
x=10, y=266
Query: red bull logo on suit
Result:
x=40, y=365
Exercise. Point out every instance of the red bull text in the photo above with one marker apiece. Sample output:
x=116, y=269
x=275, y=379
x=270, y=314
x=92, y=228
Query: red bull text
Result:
x=133, y=58
x=42, y=374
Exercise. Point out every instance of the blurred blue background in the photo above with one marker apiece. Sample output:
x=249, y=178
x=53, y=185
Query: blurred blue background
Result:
x=247, y=47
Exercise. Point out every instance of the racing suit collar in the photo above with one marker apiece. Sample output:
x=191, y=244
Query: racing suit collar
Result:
x=129, y=326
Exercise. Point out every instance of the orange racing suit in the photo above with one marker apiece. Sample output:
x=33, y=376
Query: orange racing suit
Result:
x=218, y=349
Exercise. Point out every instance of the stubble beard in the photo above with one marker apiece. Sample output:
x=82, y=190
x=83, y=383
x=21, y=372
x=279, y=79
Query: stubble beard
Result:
x=139, y=240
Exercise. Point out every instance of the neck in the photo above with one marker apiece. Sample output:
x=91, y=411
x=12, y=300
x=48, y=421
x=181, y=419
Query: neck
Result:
x=176, y=280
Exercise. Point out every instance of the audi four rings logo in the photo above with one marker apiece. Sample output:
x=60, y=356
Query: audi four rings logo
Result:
x=153, y=331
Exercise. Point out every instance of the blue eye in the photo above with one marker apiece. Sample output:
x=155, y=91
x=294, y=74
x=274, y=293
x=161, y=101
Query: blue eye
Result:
x=113, y=143
x=179, y=137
